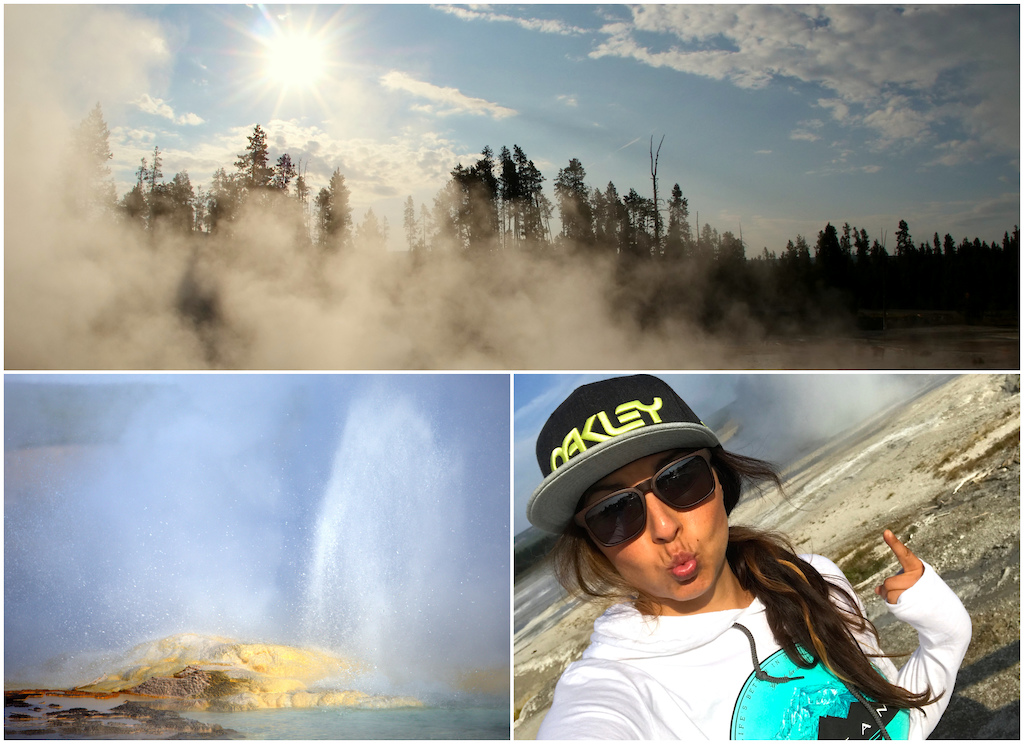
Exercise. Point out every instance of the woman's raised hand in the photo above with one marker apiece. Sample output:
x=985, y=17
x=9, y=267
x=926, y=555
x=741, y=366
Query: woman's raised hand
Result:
x=911, y=569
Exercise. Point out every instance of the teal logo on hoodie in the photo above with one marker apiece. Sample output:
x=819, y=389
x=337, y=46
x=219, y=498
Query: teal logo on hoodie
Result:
x=813, y=704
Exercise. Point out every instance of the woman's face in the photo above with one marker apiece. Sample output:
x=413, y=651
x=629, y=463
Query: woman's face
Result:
x=679, y=558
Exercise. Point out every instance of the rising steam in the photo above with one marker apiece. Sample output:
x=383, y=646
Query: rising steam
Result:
x=332, y=513
x=85, y=292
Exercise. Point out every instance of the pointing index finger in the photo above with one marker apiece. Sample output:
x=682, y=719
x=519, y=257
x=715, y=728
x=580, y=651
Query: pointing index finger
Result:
x=903, y=554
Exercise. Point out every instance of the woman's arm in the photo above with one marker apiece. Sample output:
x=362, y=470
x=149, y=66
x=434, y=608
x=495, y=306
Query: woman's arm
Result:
x=592, y=703
x=943, y=631
x=919, y=597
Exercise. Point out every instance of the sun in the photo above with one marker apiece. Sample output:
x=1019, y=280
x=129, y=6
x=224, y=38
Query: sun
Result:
x=295, y=59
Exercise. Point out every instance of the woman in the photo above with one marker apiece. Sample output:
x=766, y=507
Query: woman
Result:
x=719, y=632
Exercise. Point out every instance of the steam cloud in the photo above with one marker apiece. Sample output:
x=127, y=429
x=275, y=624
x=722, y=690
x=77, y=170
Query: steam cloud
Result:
x=209, y=512
x=93, y=295
x=85, y=293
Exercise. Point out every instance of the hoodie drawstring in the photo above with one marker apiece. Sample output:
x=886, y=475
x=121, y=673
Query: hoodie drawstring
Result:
x=872, y=710
x=762, y=675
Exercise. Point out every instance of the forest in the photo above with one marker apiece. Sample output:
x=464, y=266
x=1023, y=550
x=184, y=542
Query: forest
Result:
x=497, y=205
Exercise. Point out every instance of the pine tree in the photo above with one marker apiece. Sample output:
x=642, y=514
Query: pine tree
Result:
x=91, y=187
x=252, y=164
x=225, y=197
x=572, y=196
x=302, y=196
x=409, y=223
x=154, y=174
x=466, y=209
x=904, y=243
x=334, y=215
x=535, y=209
x=284, y=172
x=133, y=205
x=322, y=205
x=829, y=257
x=171, y=204
x=199, y=203
x=425, y=226
x=678, y=234
x=372, y=234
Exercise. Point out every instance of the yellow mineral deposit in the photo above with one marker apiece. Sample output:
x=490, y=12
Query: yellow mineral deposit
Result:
x=245, y=676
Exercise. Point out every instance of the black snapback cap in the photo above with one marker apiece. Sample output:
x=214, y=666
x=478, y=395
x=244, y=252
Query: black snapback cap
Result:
x=600, y=428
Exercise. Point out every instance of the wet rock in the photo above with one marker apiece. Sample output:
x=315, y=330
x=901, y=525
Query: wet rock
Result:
x=129, y=720
x=190, y=682
x=14, y=699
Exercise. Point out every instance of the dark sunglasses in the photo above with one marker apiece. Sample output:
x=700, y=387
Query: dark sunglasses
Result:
x=622, y=515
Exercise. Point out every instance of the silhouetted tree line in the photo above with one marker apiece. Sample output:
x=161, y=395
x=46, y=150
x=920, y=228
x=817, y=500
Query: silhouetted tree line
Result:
x=497, y=204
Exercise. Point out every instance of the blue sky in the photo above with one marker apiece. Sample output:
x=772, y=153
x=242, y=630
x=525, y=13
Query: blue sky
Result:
x=777, y=119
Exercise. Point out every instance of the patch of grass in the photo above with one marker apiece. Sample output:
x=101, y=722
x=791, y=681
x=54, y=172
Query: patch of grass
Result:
x=863, y=564
x=1010, y=439
x=868, y=554
x=945, y=460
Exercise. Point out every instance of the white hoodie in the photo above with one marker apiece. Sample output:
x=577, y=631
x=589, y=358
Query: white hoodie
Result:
x=694, y=677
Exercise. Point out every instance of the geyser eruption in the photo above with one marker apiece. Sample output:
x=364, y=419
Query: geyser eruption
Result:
x=386, y=566
x=356, y=517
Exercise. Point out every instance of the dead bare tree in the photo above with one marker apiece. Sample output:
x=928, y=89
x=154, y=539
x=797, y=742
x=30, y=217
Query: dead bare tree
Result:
x=654, y=181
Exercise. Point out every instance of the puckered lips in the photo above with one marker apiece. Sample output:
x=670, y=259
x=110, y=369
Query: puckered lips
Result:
x=683, y=566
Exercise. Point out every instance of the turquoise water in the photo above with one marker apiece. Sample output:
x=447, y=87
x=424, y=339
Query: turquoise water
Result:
x=357, y=723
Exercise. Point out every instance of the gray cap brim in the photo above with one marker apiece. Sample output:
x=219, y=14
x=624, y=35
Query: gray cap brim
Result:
x=553, y=504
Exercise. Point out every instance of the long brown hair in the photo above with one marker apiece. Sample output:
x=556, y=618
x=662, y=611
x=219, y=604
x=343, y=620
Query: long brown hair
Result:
x=802, y=607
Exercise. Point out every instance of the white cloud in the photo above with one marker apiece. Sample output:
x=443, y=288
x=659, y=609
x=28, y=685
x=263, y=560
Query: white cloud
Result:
x=898, y=121
x=154, y=106
x=956, y=152
x=839, y=110
x=159, y=107
x=804, y=135
x=895, y=71
x=543, y=25
x=443, y=101
x=569, y=100
x=189, y=119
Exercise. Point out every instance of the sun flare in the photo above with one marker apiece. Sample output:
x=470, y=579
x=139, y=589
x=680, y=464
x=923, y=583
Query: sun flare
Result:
x=296, y=60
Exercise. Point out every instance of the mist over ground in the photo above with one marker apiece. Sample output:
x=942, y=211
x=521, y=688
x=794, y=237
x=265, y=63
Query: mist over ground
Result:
x=86, y=291
x=92, y=294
